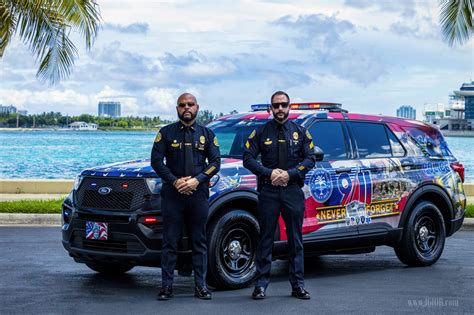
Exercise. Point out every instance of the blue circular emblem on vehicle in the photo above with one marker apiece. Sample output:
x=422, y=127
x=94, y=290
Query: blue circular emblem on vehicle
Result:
x=105, y=190
x=320, y=185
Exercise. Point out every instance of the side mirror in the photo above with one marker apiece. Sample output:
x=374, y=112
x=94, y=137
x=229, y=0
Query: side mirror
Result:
x=214, y=180
x=319, y=154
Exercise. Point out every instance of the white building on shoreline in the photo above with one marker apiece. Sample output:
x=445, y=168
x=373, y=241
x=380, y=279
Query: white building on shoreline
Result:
x=81, y=125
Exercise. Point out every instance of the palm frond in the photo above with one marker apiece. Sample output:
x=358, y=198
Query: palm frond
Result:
x=83, y=16
x=456, y=20
x=44, y=25
x=7, y=26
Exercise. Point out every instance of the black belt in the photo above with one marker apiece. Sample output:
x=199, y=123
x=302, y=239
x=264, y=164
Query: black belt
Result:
x=268, y=181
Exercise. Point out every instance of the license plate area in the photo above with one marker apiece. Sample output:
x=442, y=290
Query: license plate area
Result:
x=97, y=231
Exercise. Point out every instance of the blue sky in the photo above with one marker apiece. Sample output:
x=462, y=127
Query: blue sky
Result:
x=372, y=56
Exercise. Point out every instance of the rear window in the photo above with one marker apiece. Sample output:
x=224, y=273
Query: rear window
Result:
x=375, y=140
x=429, y=140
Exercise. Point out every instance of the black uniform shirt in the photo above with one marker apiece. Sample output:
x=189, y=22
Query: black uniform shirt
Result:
x=169, y=144
x=264, y=141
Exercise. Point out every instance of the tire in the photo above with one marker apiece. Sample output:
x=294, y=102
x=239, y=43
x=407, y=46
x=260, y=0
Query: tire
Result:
x=232, y=239
x=109, y=268
x=423, y=237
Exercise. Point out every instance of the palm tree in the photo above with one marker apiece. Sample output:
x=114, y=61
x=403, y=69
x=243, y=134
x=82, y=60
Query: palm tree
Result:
x=44, y=26
x=456, y=20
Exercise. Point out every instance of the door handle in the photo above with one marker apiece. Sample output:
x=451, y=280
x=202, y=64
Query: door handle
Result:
x=343, y=170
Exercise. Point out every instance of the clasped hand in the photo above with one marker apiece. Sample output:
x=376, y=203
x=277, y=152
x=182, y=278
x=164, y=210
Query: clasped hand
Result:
x=279, y=177
x=186, y=185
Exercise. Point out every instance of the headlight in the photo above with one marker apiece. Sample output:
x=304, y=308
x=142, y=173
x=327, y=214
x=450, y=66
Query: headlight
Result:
x=154, y=184
x=78, y=181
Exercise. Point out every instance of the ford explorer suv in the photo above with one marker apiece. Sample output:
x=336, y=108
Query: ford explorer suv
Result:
x=378, y=181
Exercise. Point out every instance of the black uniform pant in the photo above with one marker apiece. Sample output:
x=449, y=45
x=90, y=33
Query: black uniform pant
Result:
x=289, y=201
x=178, y=209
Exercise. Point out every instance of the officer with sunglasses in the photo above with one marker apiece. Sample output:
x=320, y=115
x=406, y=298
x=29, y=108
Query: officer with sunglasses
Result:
x=185, y=155
x=287, y=155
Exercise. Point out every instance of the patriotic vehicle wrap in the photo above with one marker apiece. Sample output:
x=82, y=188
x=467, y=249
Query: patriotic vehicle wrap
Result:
x=354, y=199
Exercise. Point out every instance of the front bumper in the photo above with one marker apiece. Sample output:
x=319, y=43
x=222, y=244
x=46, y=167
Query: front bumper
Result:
x=130, y=241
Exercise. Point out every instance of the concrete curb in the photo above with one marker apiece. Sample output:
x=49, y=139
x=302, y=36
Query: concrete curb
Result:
x=55, y=220
x=30, y=219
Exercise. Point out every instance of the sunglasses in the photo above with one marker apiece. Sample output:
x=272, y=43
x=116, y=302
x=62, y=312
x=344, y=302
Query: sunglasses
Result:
x=189, y=104
x=282, y=105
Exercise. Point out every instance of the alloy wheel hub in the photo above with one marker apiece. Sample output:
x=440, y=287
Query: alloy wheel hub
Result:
x=234, y=249
x=423, y=233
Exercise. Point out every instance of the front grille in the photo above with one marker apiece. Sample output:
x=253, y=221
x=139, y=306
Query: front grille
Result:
x=105, y=245
x=117, y=242
x=119, y=198
x=103, y=218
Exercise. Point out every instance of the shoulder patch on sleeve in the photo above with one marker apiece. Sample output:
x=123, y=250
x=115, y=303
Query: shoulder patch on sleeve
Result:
x=308, y=135
x=215, y=141
x=252, y=134
x=158, y=137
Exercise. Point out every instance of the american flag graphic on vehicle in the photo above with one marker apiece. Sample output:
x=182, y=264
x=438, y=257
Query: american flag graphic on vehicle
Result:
x=96, y=231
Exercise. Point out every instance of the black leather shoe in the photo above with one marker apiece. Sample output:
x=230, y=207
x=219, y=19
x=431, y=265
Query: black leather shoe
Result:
x=300, y=293
x=166, y=293
x=258, y=293
x=202, y=293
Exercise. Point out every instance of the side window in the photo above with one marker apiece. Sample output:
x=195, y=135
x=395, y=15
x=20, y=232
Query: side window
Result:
x=397, y=149
x=329, y=136
x=371, y=140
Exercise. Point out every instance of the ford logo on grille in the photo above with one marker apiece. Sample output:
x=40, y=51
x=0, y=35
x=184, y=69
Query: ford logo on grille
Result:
x=105, y=190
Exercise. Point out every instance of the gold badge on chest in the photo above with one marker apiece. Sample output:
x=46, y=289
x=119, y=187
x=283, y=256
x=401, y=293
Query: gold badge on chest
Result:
x=175, y=144
x=295, y=136
x=268, y=141
x=202, y=139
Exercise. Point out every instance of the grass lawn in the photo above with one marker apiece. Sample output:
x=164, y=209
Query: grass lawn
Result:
x=31, y=206
x=54, y=206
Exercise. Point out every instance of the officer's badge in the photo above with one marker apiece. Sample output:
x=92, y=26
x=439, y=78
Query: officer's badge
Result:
x=308, y=135
x=295, y=136
x=202, y=139
x=252, y=134
x=175, y=144
x=158, y=137
x=268, y=141
x=215, y=141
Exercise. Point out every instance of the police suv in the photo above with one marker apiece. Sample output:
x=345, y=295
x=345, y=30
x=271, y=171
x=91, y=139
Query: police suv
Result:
x=378, y=181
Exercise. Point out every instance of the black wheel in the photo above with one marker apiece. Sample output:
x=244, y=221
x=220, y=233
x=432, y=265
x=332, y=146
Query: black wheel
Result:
x=423, y=236
x=109, y=268
x=233, y=241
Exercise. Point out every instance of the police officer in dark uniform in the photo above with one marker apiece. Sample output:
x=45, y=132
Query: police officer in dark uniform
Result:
x=287, y=155
x=184, y=195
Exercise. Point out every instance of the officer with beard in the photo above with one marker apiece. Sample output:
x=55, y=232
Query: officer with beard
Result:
x=287, y=155
x=179, y=157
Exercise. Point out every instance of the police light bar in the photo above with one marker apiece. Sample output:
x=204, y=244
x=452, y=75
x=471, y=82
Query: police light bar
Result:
x=320, y=106
x=259, y=107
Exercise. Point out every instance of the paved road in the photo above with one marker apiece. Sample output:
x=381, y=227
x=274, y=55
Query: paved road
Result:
x=37, y=276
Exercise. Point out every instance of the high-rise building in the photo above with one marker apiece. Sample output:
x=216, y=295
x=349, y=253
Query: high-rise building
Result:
x=109, y=109
x=466, y=92
x=406, y=111
x=7, y=109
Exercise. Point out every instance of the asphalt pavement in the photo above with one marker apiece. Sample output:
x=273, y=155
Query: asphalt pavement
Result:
x=38, y=276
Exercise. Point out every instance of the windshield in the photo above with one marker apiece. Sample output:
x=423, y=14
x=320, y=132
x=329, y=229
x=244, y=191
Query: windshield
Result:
x=232, y=135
